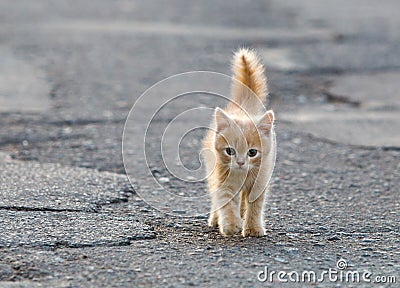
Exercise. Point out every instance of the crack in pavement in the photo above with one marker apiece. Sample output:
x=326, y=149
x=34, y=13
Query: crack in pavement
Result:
x=362, y=147
x=42, y=209
x=53, y=229
x=55, y=206
x=357, y=112
x=335, y=98
x=53, y=186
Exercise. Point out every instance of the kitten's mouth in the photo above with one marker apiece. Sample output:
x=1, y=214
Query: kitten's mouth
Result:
x=239, y=168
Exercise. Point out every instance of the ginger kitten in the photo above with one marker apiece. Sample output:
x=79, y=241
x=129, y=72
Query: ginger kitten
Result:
x=239, y=151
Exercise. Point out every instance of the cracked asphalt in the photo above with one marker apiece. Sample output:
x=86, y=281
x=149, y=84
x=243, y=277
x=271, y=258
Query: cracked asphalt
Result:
x=68, y=214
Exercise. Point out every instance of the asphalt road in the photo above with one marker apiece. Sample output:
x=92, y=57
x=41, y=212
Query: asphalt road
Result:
x=69, y=75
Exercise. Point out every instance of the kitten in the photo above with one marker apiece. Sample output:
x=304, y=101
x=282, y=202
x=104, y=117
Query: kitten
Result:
x=239, y=151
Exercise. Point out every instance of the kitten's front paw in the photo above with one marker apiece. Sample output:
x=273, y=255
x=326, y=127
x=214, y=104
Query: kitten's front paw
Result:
x=256, y=231
x=212, y=220
x=229, y=229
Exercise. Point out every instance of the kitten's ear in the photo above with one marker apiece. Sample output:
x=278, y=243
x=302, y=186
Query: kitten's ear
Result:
x=266, y=122
x=222, y=119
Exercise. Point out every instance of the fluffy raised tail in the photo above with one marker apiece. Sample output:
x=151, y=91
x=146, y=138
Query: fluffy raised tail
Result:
x=248, y=73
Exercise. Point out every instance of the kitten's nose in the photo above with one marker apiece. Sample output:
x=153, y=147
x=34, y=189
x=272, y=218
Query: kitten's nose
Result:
x=240, y=163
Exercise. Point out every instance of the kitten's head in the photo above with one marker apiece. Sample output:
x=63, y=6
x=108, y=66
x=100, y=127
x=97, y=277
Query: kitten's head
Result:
x=241, y=142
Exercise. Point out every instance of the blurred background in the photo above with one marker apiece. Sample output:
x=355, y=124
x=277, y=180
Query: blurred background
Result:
x=71, y=70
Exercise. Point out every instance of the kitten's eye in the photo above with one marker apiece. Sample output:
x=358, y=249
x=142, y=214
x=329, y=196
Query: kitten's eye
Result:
x=252, y=152
x=230, y=151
